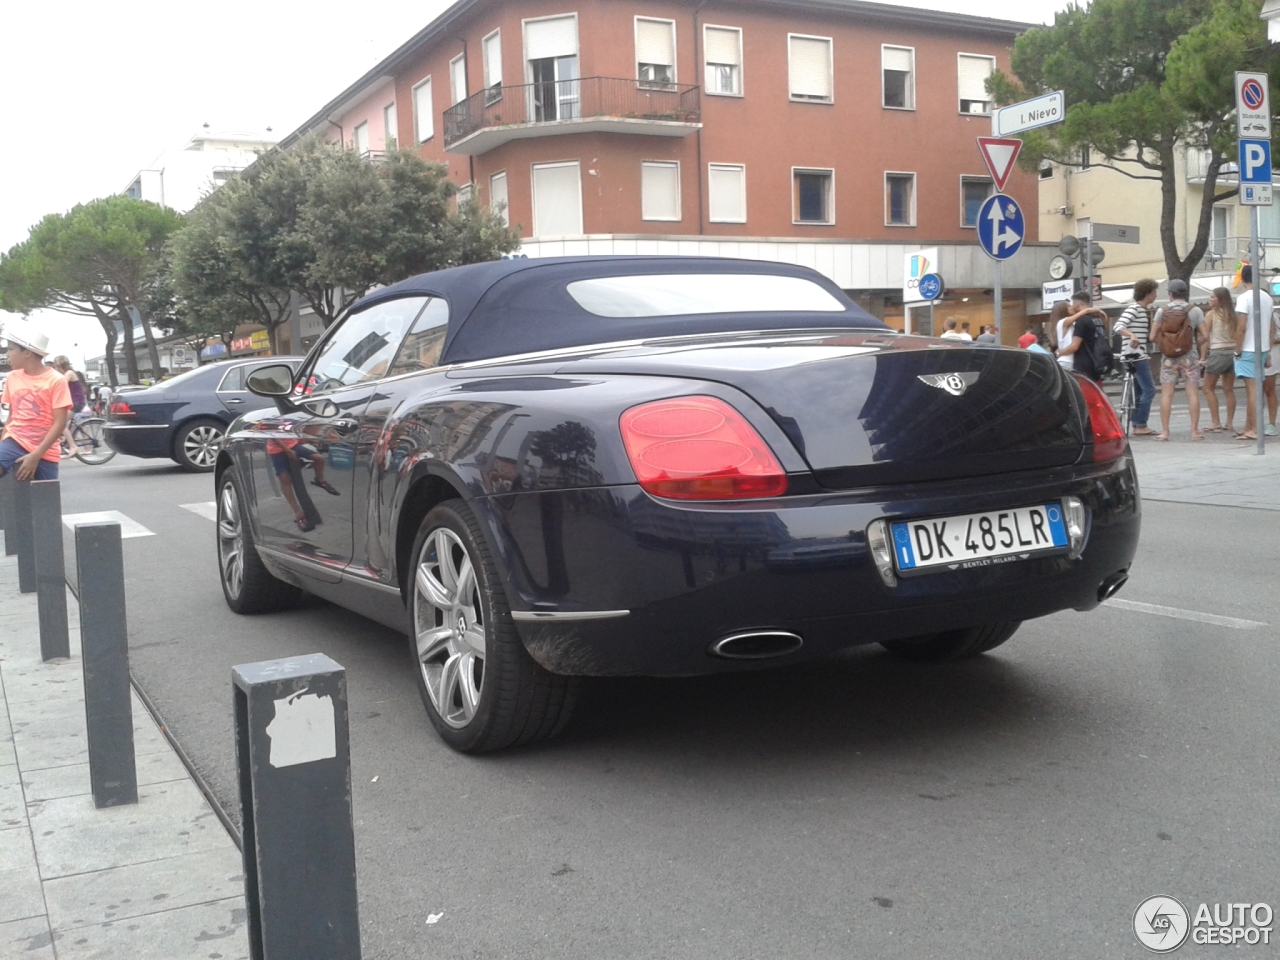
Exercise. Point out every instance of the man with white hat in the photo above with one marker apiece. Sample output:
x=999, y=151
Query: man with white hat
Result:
x=39, y=402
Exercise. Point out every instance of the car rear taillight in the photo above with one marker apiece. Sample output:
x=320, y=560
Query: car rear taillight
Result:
x=121, y=409
x=699, y=448
x=1108, y=435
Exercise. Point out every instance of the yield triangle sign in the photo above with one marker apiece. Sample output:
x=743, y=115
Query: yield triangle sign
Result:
x=999, y=154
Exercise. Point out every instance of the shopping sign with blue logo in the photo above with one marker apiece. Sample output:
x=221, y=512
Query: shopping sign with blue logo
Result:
x=915, y=267
x=1001, y=227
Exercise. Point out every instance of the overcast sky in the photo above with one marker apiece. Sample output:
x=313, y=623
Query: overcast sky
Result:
x=96, y=91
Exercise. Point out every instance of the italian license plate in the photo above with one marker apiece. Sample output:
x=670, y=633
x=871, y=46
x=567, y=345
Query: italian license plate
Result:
x=978, y=539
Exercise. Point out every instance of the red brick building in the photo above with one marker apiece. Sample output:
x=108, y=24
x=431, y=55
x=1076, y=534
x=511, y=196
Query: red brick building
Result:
x=836, y=133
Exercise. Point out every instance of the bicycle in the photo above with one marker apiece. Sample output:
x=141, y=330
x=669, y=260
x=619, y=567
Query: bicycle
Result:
x=1128, y=392
x=90, y=440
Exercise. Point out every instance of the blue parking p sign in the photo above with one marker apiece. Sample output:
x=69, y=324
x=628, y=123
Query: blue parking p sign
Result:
x=1255, y=161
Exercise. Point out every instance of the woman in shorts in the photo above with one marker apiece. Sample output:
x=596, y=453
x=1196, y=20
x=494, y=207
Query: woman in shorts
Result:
x=1221, y=320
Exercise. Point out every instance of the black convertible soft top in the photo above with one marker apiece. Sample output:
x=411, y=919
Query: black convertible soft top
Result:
x=510, y=307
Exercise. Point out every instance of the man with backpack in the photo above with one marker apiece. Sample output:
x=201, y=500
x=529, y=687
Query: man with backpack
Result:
x=1182, y=345
x=1088, y=347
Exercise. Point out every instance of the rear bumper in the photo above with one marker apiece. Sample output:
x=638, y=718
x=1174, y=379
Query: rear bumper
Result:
x=139, y=439
x=687, y=577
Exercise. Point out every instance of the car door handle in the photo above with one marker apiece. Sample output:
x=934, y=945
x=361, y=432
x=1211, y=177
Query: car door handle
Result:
x=235, y=400
x=343, y=425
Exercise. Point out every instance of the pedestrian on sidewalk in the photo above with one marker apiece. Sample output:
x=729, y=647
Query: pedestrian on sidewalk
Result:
x=1221, y=320
x=1178, y=332
x=988, y=334
x=75, y=383
x=1246, y=345
x=39, y=404
x=964, y=332
x=949, y=331
x=1135, y=324
x=1029, y=341
x=1088, y=327
x=1060, y=324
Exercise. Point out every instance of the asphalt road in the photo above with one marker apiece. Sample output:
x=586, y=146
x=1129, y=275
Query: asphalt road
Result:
x=1018, y=805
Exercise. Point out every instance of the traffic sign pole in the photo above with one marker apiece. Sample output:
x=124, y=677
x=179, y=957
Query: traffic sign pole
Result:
x=1256, y=270
x=999, y=304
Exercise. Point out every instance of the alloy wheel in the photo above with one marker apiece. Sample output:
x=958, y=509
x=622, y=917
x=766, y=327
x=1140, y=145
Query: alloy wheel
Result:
x=449, y=628
x=230, y=539
x=201, y=446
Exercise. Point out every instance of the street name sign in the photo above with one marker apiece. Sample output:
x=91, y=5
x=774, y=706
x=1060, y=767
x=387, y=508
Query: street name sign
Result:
x=999, y=154
x=1253, y=106
x=1115, y=233
x=1001, y=227
x=1029, y=114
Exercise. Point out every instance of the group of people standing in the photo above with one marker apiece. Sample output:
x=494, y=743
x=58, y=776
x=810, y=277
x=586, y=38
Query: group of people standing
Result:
x=1198, y=348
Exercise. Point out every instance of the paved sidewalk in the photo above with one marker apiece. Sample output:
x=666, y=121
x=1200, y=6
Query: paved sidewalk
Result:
x=159, y=880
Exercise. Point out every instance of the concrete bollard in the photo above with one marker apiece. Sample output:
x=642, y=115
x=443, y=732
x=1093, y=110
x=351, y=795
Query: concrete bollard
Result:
x=104, y=655
x=51, y=574
x=22, y=531
x=294, y=759
x=6, y=512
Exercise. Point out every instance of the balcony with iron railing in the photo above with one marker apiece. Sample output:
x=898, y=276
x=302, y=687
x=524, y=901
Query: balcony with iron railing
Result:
x=499, y=114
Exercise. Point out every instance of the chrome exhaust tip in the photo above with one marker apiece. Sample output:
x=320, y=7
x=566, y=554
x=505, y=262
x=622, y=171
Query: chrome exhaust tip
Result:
x=757, y=645
x=1111, y=586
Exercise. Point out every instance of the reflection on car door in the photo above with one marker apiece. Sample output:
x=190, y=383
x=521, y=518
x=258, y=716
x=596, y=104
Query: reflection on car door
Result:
x=304, y=468
x=235, y=399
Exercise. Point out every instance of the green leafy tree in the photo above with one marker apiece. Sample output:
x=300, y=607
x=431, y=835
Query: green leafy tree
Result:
x=322, y=221
x=99, y=259
x=1144, y=80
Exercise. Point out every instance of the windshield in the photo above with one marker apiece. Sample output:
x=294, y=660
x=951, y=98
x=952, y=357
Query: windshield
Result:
x=680, y=294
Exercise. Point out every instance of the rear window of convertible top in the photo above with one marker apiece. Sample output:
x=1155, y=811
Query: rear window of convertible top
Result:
x=678, y=294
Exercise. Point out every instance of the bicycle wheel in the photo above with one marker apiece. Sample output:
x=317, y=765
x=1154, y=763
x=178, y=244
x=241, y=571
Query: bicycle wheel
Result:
x=1127, y=404
x=91, y=443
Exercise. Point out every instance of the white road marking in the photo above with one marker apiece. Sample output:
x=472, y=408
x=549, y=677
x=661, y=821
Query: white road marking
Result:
x=128, y=528
x=1176, y=614
x=208, y=510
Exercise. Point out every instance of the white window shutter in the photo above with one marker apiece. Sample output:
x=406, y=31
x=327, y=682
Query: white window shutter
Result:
x=390, y=125
x=492, y=59
x=458, y=80
x=655, y=41
x=726, y=193
x=895, y=58
x=723, y=46
x=423, y=111
x=972, y=76
x=362, y=138
x=498, y=196
x=810, y=67
x=660, y=191
x=557, y=37
x=557, y=200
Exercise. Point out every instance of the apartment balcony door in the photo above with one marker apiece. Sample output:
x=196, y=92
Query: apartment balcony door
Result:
x=556, y=93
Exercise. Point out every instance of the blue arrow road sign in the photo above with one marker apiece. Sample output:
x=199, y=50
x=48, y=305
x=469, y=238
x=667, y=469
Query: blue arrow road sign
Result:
x=1001, y=227
x=930, y=286
x=1255, y=161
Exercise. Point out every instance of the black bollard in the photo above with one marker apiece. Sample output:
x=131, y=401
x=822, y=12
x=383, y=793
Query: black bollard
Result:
x=22, y=531
x=51, y=574
x=104, y=655
x=294, y=758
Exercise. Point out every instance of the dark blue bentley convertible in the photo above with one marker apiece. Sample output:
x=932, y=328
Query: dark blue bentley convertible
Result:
x=548, y=469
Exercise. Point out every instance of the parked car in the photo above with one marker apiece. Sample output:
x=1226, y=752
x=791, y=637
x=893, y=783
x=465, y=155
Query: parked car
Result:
x=183, y=418
x=547, y=469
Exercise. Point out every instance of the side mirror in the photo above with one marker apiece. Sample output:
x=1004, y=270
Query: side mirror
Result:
x=273, y=381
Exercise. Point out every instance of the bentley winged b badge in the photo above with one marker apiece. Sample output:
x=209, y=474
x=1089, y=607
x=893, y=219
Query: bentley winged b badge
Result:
x=954, y=383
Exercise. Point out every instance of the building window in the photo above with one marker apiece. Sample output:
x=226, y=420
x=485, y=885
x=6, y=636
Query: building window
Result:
x=973, y=71
x=423, y=119
x=723, y=47
x=809, y=68
x=390, y=126
x=498, y=196
x=812, y=196
x=727, y=192
x=360, y=137
x=492, y=67
x=898, y=67
x=1046, y=170
x=135, y=190
x=458, y=79
x=655, y=52
x=464, y=194
x=659, y=190
x=1086, y=159
x=551, y=56
x=900, y=199
x=557, y=200
x=973, y=194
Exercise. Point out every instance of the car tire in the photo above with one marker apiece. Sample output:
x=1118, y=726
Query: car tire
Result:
x=953, y=644
x=247, y=585
x=481, y=688
x=196, y=445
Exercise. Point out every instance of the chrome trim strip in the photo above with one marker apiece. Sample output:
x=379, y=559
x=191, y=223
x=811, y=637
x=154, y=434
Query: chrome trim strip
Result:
x=367, y=581
x=286, y=557
x=562, y=615
x=135, y=426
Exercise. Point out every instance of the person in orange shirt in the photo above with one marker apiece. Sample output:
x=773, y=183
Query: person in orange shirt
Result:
x=39, y=404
